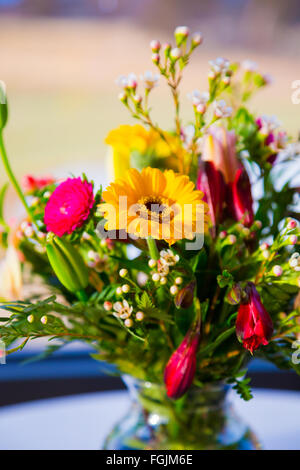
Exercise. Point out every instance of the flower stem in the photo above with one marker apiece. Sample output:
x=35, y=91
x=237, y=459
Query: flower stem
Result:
x=154, y=254
x=82, y=296
x=13, y=180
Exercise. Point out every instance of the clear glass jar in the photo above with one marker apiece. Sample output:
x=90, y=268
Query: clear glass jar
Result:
x=201, y=420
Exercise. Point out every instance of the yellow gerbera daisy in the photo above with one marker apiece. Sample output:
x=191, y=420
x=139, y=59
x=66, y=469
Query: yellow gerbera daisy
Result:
x=152, y=203
x=126, y=139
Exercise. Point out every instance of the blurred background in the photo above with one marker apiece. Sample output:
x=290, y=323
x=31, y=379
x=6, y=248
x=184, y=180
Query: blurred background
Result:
x=60, y=59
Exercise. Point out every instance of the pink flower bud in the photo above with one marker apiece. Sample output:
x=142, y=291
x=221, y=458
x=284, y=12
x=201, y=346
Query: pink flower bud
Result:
x=201, y=108
x=123, y=97
x=265, y=246
x=197, y=39
x=181, y=34
x=155, y=45
x=277, y=270
x=132, y=83
x=292, y=224
x=181, y=367
x=155, y=58
x=175, y=53
x=293, y=239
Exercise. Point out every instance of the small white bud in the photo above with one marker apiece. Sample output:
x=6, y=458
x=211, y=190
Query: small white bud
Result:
x=173, y=290
x=41, y=235
x=28, y=232
x=175, y=53
x=197, y=39
x=139, y=316
x=125, y=288
x=266, y=254
x=155, y=58
x=178, y=281
x=201, y=108
x=128, y=322
x=119, y=290
x=122, y=96
x=137, y=99
x=30, y=318
x=155, y=45
x=232, y=239
x=163, y=280
x=155, y=277
x=152, y=263
x=107, y=305
x=44, y=319
x=123, y=272
x=87, y=236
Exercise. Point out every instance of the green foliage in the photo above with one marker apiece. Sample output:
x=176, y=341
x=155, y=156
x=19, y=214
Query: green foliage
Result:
x=135, y=324
x=225, y=279
x=243, y=389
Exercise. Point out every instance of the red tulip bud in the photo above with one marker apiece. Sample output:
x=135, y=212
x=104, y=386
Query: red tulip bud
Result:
x=181, y=368
x=253, y=324
x=240, y=198
x=185, y=297
x=211, y=182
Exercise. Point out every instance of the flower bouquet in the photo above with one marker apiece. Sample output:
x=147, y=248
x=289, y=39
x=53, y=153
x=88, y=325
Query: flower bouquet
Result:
x=178, y=272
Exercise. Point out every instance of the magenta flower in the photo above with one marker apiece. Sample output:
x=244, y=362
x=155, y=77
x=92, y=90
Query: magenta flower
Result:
x=69, y=206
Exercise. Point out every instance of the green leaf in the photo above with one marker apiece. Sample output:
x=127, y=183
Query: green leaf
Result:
x=243, y=389
x=222, y=337
x=225, y=279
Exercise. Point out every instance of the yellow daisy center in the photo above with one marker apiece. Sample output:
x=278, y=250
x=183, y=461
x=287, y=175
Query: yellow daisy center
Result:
x=155, y=208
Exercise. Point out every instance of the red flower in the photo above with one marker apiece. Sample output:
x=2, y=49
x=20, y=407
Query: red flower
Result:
x=69, y=206
x=223, y=179
x=30, y=183
x=211, y=182
x=240, y=198
x=180, y=370
x=253, y=324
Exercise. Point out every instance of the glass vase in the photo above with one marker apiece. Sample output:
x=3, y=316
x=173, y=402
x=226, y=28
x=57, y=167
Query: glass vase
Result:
x=201, y=420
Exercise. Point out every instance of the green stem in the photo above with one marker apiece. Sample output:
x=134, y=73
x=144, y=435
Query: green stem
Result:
x=13, y=180
x=154, y=254
x=82, y=296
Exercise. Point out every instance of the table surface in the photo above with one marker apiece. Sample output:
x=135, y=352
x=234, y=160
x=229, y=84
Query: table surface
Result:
x=83, y=421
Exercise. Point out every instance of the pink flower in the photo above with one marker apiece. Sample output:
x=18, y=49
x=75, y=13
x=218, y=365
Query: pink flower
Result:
x=30, y=183
x=69, y=206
